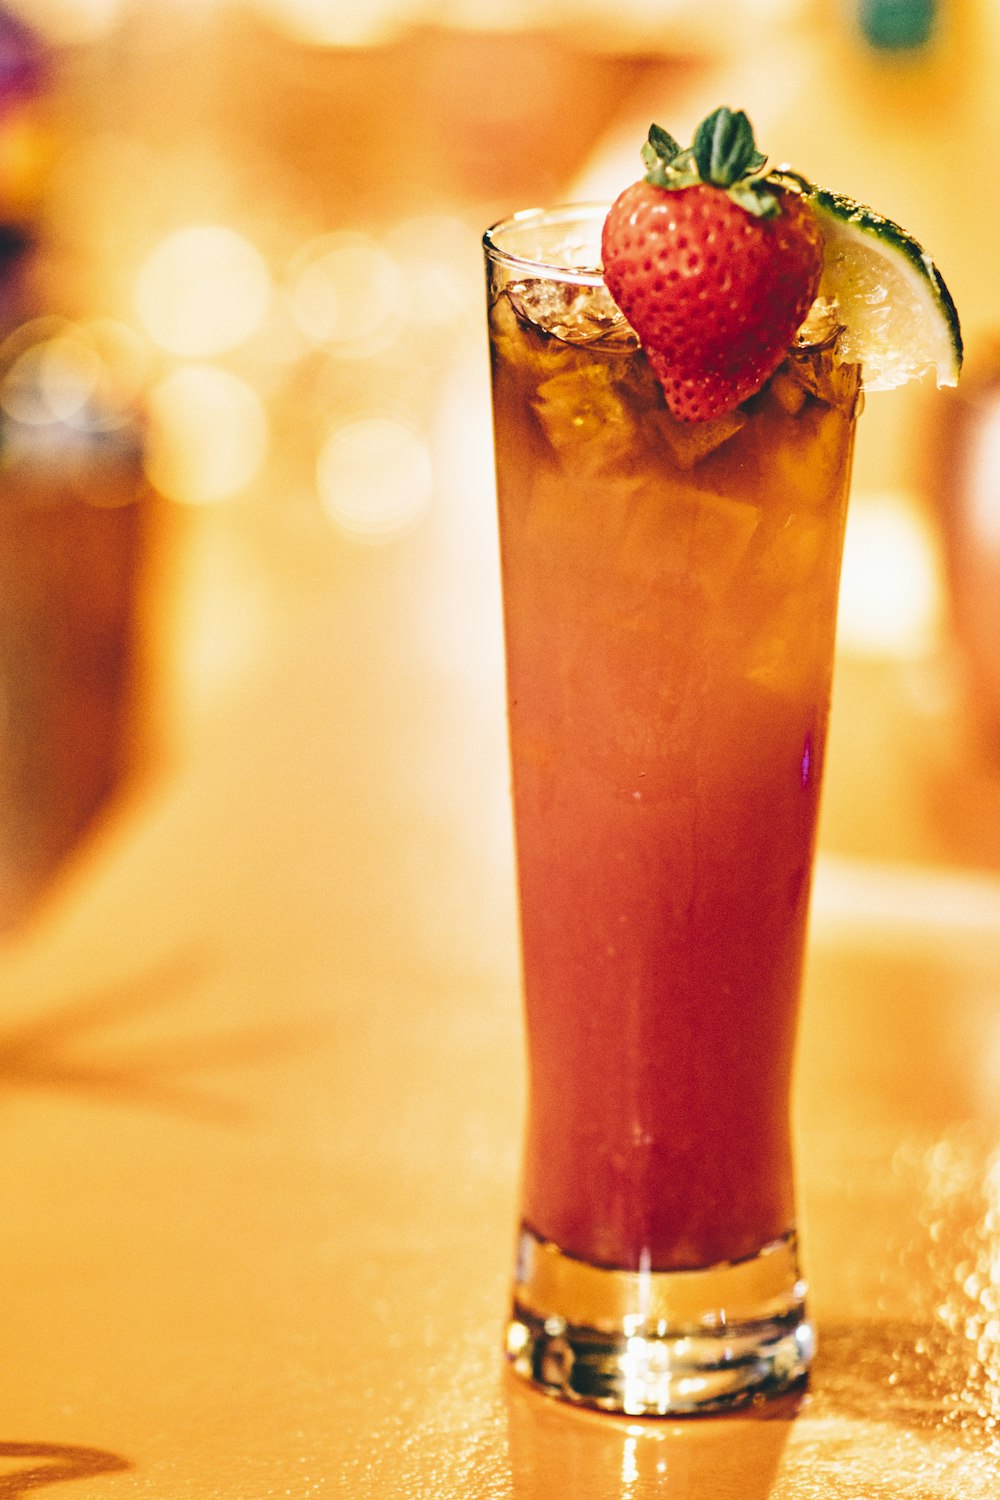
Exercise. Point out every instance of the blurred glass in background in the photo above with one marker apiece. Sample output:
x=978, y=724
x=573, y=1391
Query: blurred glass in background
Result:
x=74, y=526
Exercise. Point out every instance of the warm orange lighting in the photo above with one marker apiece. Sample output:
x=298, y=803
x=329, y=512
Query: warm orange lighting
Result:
x=202, y=291
x=339, y=23
x=208, y=435
x=984, y=478
x=905, y=905
x=72, y=21
x=124, y=361
x=439, y=260
x=630, y=1467
x=891, y=591
x=374, y=478
x=101, y=188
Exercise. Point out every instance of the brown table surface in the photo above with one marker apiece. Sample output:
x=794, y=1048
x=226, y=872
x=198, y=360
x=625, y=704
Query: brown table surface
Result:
x=261, y=1066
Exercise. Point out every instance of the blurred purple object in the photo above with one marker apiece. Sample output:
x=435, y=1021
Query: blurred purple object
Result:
x=23, y=60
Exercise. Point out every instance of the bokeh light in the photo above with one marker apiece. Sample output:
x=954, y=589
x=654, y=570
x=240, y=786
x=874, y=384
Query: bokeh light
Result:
x=52, y=381
x=439, y=261
x=375, y=478
x=345, y=293
x=202, y=291
x=125, y=362
x=984, y=477
x=72, y=21
x=208, y=435
x=891, y=591
x=339, y=23
x=85, y=375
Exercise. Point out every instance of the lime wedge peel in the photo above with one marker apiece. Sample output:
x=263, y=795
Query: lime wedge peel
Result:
x=899, y=318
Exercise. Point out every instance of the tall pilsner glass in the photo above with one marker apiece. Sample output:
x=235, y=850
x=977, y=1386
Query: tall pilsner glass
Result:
x=670, y=598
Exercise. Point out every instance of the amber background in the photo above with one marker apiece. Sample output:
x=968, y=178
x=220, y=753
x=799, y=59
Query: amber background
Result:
x=260, y=1047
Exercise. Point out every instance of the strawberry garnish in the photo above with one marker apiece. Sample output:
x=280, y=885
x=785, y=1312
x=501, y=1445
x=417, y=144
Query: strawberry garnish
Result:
x=714, y=265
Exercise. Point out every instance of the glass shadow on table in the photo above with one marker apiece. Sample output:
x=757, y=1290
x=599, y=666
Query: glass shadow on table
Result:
x=43, y=1464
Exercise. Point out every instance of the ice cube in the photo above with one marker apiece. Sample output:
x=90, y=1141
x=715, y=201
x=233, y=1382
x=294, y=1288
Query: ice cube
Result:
x=724, y=529
x=822, y=325
x=816, y=360
x=690, y=442
x=583, y=415
x=787, y=391
x=787, y=649
x=581, y=315
x=821, y=374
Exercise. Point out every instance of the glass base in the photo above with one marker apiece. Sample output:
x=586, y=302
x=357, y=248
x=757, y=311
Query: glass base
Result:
x=659, y=1343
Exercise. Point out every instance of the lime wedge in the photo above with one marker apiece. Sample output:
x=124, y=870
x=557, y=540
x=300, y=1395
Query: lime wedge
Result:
x=899, y=318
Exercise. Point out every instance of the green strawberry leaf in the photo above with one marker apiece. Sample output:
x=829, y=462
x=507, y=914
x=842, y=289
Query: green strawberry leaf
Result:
x=677, y=172
x=656, y=167
x=723, y=154
x=664, y=160
x=663, y=143
x=724, y=147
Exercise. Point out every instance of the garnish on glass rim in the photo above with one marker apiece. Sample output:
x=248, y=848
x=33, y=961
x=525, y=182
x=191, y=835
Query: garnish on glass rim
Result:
x=716, y=263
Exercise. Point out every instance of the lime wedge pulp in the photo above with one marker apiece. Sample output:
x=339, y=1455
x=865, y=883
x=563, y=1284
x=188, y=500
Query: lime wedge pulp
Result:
x=899, y=319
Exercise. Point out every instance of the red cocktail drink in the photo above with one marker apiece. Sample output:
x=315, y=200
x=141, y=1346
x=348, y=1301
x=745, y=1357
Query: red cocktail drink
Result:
x=670, y=600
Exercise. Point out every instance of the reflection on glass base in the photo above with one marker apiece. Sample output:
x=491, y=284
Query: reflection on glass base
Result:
x=659, y=1343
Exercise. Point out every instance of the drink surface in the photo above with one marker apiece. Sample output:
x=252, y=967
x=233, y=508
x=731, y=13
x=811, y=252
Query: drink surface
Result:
x=670, y=600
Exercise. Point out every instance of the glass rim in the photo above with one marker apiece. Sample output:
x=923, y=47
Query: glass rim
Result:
x=563, y=213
